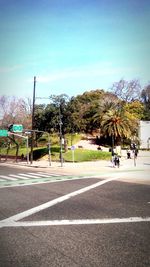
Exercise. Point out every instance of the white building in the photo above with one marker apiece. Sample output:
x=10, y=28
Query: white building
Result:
x=144, y=134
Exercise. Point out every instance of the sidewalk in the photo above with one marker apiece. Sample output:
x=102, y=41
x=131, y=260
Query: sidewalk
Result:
x=92, y=167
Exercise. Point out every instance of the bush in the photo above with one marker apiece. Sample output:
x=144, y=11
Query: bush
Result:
x=38, y=153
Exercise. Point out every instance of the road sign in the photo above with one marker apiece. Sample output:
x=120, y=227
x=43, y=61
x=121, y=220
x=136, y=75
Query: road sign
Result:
x=72, y=147
x=3, y=133
x=17, y=128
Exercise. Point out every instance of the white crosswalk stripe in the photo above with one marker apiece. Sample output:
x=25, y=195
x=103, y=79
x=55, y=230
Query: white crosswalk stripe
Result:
x=18, y=176
x=8, y=178
x=26, y=176
x=37, y=175
x=44, y=174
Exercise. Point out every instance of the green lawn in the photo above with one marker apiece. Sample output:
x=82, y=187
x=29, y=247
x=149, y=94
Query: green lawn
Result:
x=79, y=155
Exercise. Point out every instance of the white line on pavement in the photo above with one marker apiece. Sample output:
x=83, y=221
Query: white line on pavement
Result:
x=8, y=178
x=29, y=175
x=74, y=222
x=13, y=220
x=18, y=176
x=38, y=174
x=45, y=174
x=51, y=203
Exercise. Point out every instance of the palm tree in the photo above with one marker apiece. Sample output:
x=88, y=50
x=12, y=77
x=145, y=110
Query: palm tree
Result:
x=116, y=124
x=108, y=102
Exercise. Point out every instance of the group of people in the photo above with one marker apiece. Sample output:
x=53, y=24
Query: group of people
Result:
x=133, y=152
x=115, y=159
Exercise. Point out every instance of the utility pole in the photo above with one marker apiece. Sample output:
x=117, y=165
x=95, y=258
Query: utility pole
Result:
x=33, y=109
x=60, y=131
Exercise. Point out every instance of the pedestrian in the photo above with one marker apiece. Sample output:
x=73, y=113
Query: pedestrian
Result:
x=136, y=152
x=116, y=161
x=112, y=157
x=22, y=156
x=128, y=154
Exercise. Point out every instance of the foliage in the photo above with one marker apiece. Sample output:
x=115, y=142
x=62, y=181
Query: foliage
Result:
x=108, y=102
x=97, y=112
x=40, y=152
x=117, y=124
x=135, y=108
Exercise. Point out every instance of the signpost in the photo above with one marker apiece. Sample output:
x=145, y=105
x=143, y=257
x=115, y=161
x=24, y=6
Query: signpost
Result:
x=3, y=133
x=73, y=149
x=17, y=128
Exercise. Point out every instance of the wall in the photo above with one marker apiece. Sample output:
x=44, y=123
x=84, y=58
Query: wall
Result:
x=144, y=134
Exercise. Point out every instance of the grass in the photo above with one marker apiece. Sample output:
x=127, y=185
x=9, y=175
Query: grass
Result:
x=80, y=155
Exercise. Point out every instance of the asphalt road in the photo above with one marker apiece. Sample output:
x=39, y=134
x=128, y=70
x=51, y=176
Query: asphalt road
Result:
x=80, y=222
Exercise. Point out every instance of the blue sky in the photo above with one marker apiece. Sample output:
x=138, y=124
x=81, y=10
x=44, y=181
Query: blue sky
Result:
x=72, y=46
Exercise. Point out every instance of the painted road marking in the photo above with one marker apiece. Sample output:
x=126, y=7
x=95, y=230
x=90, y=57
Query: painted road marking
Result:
x=41, y=180
x=28, y=175
x=13, y=220
x=24, y=176
x=53, y=202
x=43, y=174
x=34, y=175
x=17, y=176
x=73, y=222
x=8, y=178
x=49, y=178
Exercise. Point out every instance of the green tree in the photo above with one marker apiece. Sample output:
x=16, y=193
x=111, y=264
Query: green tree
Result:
x=117, y=125
x=108, y=101
x=135, y=108
x=85, y=107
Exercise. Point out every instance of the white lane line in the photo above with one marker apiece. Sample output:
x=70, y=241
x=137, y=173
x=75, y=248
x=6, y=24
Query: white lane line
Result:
x=73, y=222
x=51, y=203
x=18, y=176
x=8, y=178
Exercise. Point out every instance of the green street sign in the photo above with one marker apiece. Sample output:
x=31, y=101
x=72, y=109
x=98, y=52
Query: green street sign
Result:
x=3, y=133
x=17, y=128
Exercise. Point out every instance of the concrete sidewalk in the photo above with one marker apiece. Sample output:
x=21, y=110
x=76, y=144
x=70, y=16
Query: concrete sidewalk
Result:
x=142, y=163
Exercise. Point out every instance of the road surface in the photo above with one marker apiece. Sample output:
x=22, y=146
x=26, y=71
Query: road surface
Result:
x=80, y=221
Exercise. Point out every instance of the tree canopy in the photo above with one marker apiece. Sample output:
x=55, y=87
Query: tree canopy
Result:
x=101, y=112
